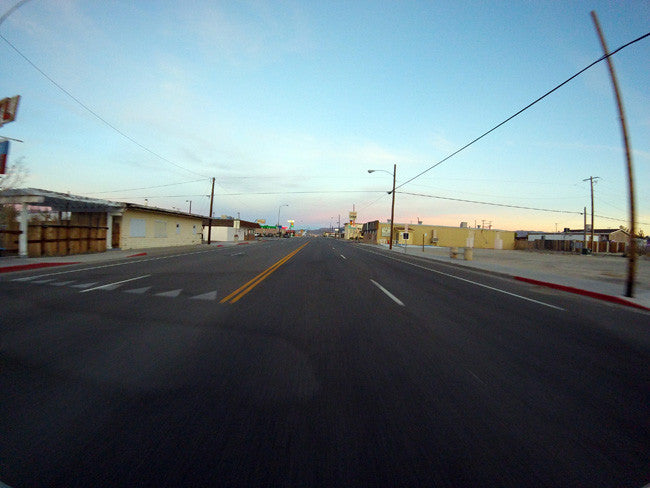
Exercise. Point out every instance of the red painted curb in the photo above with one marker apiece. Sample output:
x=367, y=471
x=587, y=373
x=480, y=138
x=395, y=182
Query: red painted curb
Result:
x=23, y=267
x=578, y=291
x=240, y=243
x=137, y=255
x=219, y=245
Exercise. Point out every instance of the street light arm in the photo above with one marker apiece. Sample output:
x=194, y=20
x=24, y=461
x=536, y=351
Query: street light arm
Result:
x=382, y=170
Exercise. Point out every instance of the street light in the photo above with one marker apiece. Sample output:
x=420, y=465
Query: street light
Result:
x=283, y=205
x=392, y=207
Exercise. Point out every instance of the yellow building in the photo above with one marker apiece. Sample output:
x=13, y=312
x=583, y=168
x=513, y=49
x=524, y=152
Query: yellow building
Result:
x=142, y=227
x=438, y=235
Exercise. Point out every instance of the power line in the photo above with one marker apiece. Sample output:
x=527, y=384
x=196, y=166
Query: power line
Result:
x=491, y=203
x=269, y=193
x=95, y=114
x=370, y=204
x=524, y=109
x=145, y=187
x=512, y=206
x=163, y=196
x=300, y=192
x=619, y=220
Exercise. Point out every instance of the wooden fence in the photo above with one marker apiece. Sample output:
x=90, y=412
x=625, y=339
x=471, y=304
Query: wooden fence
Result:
x=570, y=246
x=83, y=233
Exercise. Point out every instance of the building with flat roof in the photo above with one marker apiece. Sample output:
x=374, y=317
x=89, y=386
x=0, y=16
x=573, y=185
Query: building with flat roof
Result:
x=437, y=235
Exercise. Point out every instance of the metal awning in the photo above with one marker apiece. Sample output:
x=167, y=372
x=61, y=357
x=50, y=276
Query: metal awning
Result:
x=60, y=202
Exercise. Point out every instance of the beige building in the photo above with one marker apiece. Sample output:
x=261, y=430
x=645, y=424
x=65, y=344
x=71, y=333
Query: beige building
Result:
x=230, y=230
x=438, y=235
x=140, y=227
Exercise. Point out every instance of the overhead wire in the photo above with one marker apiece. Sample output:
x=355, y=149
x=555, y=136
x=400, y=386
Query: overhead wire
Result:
x=605, y=56
x=146, y=187
x=490, y=203
x=265, y=193
x=96, y=115
x=512, y=206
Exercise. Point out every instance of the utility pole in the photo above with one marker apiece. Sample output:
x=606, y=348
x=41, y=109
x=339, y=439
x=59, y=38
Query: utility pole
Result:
x=584, y=230
x=392, y=210
x=591, y=181
x=631, y=267
x=210, y=218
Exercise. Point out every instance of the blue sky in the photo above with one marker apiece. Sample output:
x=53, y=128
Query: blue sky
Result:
x=292, y=102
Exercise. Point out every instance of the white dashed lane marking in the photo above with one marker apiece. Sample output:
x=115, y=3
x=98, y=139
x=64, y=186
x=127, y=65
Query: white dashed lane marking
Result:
x=388, y=294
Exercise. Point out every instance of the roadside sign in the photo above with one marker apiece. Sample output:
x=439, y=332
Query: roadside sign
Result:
x=8, y=109
x=4, y=151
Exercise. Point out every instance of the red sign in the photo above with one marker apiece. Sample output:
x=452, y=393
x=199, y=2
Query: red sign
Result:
x=8, y=109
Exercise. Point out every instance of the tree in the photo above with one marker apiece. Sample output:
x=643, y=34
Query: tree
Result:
x=16, y=176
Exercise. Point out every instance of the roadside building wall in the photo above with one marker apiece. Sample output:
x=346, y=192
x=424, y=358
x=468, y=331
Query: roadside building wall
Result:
x=149, y=228
x=352, y=231
x=231, y=232
x=438, y=235
x=224, y=234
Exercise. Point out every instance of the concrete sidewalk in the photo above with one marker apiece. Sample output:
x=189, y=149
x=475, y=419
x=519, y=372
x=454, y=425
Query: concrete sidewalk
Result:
x=598, y=276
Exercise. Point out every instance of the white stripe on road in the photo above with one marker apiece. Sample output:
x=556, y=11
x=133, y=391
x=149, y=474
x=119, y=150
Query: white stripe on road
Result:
x=212, y=295
x=138, y=291
x=469, y=281
x=114, y=284
x=170, y=294
x=343, y=256
x=390, y=295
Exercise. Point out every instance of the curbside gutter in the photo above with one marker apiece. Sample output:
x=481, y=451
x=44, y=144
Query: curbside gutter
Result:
x=586, y=293
x=24, y=267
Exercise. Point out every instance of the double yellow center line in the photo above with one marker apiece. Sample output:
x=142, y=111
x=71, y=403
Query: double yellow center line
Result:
x=246, y=287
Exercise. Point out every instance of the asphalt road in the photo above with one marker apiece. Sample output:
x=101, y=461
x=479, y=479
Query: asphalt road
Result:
x=332, y=364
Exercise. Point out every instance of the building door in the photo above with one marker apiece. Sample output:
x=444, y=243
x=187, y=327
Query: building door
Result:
x=115, y=241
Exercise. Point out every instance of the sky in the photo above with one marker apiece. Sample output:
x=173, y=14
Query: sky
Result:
x=287, y=104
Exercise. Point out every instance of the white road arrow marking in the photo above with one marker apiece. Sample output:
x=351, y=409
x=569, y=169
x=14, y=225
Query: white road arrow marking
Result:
x=171, y=294
x=112, y=286
x=206, y=296
x=138, y=291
